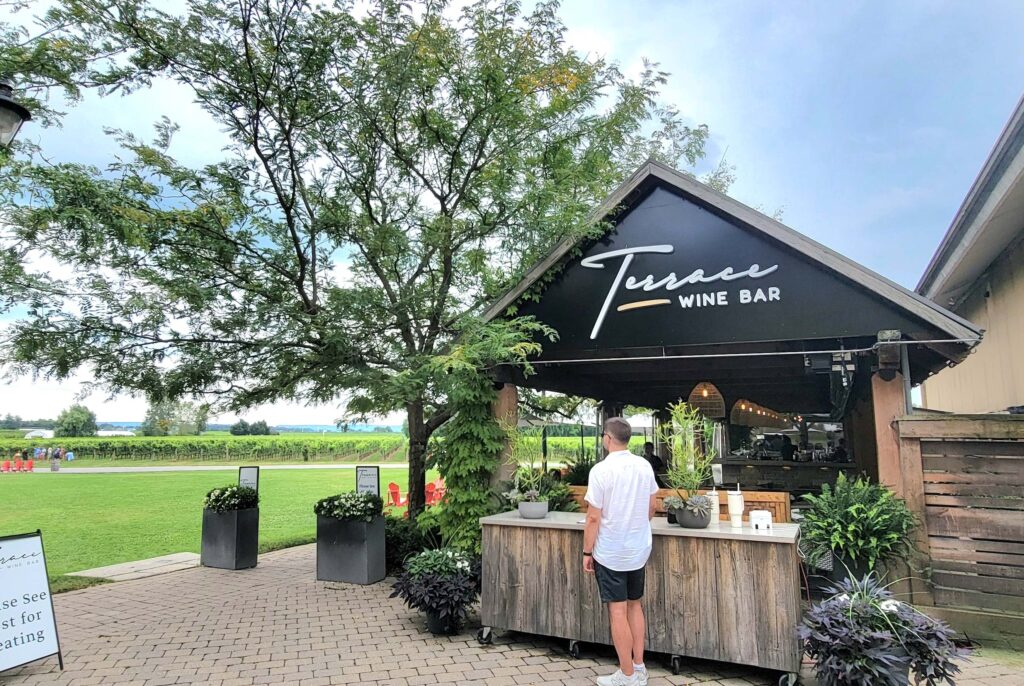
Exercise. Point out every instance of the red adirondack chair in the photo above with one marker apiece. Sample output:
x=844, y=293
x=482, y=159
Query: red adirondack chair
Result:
x=395, y=496
x=18, y=465
x=431, y=489
x=30, y=465
x=6, y=467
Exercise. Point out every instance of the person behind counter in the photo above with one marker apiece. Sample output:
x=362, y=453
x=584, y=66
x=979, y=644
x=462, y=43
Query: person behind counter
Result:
x=657, y=464
x=617, y=542
x=788, y=450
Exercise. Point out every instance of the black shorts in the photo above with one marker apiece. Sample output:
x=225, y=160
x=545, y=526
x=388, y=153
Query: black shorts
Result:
x=617, y=587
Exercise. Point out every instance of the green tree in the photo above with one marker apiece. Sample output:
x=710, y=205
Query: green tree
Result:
x=175, y=418
x=10, y=421
x=77, y=420
x=389, y=172
x=240, y=428
x=259, y=428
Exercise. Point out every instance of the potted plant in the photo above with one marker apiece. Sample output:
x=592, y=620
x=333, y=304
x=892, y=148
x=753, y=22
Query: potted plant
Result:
x=350, y=538
x=862, y=635
x=443, y=583
x=530, y=503
x=690, y=438
x=231, y=528
x=857, y=525
x=696, y=514
x=673, y=504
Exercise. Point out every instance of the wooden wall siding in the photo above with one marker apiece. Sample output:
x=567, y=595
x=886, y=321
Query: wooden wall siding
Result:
x=775, y=502
x=974, y=508
x=734, y=601
x=991, y=379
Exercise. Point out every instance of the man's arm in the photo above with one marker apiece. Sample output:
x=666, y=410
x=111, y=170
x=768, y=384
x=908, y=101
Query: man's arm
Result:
x=653, y=507
x=590, y=537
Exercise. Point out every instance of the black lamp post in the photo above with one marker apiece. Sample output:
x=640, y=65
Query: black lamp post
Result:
x=12, y=115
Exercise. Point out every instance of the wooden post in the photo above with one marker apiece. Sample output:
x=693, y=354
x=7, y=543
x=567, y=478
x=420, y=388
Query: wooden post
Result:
x=888, y=406
x=506, y=411
x=912, y=468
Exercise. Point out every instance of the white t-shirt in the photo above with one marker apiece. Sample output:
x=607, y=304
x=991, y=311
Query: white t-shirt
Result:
x=621, y=486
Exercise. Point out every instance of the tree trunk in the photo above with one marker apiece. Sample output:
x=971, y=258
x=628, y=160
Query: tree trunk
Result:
x=417, y=458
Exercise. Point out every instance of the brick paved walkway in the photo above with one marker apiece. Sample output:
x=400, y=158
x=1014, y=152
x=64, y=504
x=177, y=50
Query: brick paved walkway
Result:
x=277, y=625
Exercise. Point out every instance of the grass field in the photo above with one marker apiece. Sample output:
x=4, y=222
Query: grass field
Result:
x=93, y=520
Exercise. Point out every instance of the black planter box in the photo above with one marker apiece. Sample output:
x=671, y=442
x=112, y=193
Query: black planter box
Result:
x=347, y=551
x=230, y=539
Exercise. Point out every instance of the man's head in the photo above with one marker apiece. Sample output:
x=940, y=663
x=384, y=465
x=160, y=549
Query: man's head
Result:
x=648, y=448
x=617, y=432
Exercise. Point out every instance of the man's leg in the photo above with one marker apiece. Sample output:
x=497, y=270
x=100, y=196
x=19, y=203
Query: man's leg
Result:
x=622, y=636
x=638, y=629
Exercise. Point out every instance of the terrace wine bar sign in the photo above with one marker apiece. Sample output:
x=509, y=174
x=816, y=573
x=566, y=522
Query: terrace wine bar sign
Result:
x=28, y=628
x=667, y=285
x=672, y=273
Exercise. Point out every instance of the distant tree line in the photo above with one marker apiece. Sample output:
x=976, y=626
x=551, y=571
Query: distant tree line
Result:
x=244, y=428
x=13, y=421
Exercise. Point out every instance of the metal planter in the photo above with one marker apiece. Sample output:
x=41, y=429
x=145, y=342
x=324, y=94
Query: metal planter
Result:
x=230, y=539
x=352, y=552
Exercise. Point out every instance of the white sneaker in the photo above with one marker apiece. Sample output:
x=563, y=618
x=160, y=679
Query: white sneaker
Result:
x=641, y=675
x=619, y=679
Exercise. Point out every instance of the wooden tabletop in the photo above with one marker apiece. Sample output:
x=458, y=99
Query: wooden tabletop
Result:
x=780, y=533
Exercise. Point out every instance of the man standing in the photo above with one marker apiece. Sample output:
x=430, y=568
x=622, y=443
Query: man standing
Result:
x=617, y=543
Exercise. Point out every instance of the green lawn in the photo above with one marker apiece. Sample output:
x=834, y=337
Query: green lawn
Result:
x=93, y=520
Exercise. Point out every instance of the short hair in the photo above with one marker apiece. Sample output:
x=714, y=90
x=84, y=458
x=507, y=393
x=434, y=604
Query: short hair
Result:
x=619, y=429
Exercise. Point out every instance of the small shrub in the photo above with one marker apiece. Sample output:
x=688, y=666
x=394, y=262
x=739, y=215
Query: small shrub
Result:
x=405, y=538
x=351, y=506
x=233, y=497
x=862, y=635
x=445, y=582
x=578, y=473
x=857, y=521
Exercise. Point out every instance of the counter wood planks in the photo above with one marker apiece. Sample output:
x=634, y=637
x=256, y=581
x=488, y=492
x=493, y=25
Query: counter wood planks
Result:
x=719, y=593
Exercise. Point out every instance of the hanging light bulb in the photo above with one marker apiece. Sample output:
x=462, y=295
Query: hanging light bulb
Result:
x=704, y=392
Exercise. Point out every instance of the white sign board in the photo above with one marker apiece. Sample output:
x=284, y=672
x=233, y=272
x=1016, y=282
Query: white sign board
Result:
x=368, y=480
x=249, y=476
x=28, y=629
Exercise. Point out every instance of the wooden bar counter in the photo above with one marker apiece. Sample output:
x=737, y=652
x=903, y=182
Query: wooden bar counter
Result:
x=718, y=593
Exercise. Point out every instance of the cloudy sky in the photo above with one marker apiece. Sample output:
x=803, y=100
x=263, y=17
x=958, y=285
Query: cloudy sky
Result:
x=865, y=122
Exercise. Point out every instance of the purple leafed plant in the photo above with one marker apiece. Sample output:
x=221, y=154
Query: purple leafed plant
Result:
x=862, y=636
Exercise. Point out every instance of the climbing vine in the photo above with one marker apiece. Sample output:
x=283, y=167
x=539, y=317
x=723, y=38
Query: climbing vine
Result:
x=473, y=442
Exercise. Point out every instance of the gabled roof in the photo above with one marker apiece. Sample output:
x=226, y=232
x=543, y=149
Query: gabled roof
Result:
x=990, y=219
x=948, y=324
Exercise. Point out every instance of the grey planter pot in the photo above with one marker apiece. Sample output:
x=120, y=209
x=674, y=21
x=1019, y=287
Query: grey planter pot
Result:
x=352, y=552
x=533, y=510
x=230, y=539
x=689, y=520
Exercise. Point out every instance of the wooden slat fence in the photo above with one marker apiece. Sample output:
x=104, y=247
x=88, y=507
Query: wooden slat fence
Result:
x=973, y=514
x=974, y=502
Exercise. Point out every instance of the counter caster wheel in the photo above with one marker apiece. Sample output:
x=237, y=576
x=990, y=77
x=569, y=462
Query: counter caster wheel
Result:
x=677, y=664
x=485, y=636
x=789, y=679
x=574, y=649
